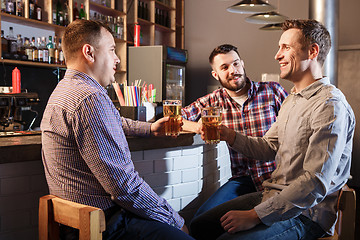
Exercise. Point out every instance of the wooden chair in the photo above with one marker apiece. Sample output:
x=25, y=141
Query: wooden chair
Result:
x=54, y=211
x=345, y=225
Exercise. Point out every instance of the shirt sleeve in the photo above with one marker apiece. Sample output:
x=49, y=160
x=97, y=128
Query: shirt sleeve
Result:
x=103, y=146
x=325, y=167
x=192, y=112
x=135, y=128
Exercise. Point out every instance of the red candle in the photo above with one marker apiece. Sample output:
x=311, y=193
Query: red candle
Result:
x=137, y=35
x=16, y=81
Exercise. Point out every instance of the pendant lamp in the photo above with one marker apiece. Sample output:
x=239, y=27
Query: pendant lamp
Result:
x=266, y=18
x=250, y=6
x=272, y=27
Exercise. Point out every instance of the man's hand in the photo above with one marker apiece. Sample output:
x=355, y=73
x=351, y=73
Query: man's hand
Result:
x=191, y=126
x=235, y=221
x=227, y=134
x=158, y=128
x=185, y=229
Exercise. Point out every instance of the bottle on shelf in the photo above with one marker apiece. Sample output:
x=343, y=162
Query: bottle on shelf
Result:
x=12, y=41
x=37, y=12
x=31, y=9
x=19, y=8
x=28, y=49
x=82, y=14
x=10, y=7
x=4, y=43
x=40, y=51
x=35, y=56
x=61, y=53
x=3, y=5
x=56, y=51
x=66, y=13
x=75, y=12
x=45, y=50
x=50, y=47
x=120, y=28
x=20, y=51
x=59, y=13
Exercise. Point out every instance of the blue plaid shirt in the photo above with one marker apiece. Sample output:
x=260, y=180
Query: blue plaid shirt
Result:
x=254, y=118
x=86, y=155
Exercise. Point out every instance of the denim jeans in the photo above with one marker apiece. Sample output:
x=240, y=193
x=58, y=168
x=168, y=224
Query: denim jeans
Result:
x=230, y=190
x=207, y=225
x=124, y=225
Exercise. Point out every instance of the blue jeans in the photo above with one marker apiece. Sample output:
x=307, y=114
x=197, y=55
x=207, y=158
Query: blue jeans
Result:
x=230, y=190
x=207, y=225
x=124, y=225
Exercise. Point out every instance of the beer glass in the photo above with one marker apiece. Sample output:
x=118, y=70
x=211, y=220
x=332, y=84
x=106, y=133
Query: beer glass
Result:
x=172, y=108
x=211, y=119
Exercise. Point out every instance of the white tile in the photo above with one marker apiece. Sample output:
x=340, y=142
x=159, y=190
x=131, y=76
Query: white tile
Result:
x=163, y=179
x=144, y=167
x=163, y=165
x=137, y=156
x=162, y=153
x=185, y=189
x=185, y=162
x=190, y=175
x=164, y=192
x=175, y=203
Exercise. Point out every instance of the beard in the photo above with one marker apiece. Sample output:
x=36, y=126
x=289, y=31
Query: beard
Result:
x=240, y=84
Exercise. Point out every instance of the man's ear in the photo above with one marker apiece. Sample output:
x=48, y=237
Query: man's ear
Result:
x=314, y=51
x=215, y=75
x=88, y=52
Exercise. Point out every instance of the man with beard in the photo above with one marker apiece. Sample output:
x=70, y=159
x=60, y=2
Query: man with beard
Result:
x=311, y=141
x=247, y=107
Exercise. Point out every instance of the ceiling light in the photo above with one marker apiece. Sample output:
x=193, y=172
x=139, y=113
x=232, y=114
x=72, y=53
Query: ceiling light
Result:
x=273, y=26
x=266, y=18
x=250, y=6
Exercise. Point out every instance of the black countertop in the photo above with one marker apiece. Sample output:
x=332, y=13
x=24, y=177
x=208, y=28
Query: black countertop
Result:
x=28, y=148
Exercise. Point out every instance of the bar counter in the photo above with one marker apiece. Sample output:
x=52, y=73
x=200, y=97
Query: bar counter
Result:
x=28, y=148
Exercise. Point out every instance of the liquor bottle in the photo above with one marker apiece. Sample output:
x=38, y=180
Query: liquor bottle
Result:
x=45, y=50
x=50, y=47
x=66, y=13
x=28, y=49
x=35, y=56
x=56, y=51
x=12, y=41
x=61, y=54
x=31, y=9
x=40, y=51
x=82, y=14
x=20, y=45
x=37, y=14
x=3, y=5
x=75, y=12
x=59, y=13
x=4, y=43
x=19, y=8
x=120, y=30
x=10, y=7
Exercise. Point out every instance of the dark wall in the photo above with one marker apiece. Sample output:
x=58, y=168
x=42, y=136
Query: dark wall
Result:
x=33, y=79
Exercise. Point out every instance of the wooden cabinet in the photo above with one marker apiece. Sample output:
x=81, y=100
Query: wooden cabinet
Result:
x=115, y=9
x=158, y=22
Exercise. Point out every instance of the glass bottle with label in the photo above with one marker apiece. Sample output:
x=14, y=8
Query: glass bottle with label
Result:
x=45, y=50
x=50, y=47
x=59, y=13
x=56, y=51
x=82, y=14
x=40, y=50
x=37, y=13
x=61, y=54
x=28, y=49
x=35, y=54
x=19, y=8
x=10, y=7
x=12, y=41
x=75, y=12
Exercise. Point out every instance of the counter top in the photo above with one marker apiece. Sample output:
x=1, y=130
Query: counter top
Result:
x=28, y=148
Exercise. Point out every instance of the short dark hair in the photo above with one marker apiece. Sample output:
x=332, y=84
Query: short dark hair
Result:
x=81, y=32
x=222, y=49
x=313, y=32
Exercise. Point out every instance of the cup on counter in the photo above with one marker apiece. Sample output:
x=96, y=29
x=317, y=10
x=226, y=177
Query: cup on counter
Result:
x=172, y=108
x=211, y=119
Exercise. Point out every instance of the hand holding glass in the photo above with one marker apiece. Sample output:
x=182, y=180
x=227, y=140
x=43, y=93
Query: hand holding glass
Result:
x=172, y=108
x=211, y=120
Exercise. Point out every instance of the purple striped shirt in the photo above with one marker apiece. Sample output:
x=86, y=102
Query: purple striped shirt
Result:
x=86, y=155
x=254, y=118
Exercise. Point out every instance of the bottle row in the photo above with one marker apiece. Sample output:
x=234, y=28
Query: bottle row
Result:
x=16, y=7
x=28, y=50
x=61, y=12
x=116, y=24
x=161, y=16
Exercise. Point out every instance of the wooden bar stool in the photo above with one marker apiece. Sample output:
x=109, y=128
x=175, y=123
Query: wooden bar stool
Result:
x=345, y=225
x=54, y=211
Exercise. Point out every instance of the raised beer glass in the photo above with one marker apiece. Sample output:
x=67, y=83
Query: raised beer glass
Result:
x=172, y=108
x=211, y=119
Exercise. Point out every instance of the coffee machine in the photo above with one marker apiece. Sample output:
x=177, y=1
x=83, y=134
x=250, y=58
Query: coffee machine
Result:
x=12, y=106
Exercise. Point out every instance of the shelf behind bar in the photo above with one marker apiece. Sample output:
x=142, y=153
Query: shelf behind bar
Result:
x=33, y=64
x=105, y=10
x=30, y=22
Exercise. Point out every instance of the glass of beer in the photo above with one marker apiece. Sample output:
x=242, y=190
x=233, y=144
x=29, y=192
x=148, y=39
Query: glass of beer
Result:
x=211, y=119
x=172, y=108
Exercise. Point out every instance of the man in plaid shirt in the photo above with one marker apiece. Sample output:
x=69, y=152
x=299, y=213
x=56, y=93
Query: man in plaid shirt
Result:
x=247, y=107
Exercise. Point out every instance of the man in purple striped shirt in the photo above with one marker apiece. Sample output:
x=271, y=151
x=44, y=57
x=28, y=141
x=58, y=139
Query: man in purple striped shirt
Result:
x=84, y=149
x=247, y=107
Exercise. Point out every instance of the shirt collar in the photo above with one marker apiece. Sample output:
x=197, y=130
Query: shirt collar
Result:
x=72, y=73
x=312, y=89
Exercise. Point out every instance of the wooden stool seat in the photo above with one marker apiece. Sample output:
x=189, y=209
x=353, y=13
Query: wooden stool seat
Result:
x=345, y=225
x=54, y=211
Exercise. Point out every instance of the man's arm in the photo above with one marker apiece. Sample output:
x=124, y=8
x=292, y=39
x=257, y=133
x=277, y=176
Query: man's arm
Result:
x=235, y=221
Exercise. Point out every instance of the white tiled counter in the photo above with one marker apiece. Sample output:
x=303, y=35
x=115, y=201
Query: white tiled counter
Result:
x=184, y=171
